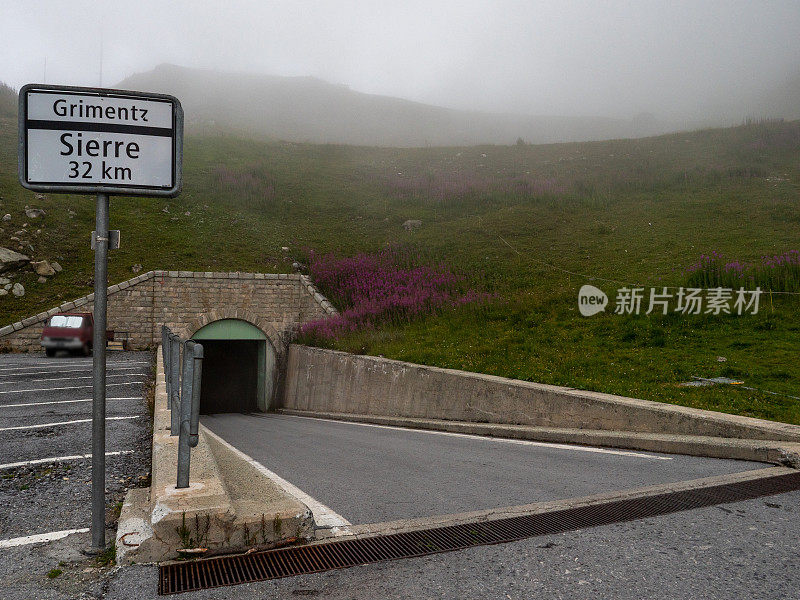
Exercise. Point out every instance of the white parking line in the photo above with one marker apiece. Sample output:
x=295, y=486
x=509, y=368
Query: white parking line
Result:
x=71, y=378
x=61, y=371
x=324, y=516
x=61, y=365
x=39, y=538
x=79, y=387
x=41, y=425
x=64, y=402
x=495, y=439
x=41, y=461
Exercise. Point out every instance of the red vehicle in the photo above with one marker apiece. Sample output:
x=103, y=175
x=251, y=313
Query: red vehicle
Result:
x=71, y=331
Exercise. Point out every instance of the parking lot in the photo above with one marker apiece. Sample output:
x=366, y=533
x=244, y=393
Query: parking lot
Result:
x=45, y=442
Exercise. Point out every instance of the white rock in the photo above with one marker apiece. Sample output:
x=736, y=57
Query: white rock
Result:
x=18, y=290
x=43, y=268
x=34, y=213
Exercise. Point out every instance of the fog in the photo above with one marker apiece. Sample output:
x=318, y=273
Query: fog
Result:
x=677, y=60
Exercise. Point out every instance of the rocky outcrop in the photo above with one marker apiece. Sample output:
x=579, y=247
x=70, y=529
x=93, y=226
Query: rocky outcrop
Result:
x=10, y=260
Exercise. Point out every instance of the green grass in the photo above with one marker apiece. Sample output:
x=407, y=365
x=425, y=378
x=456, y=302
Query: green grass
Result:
x=628, y=210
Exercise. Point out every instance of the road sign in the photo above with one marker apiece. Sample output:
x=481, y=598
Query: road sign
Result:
x=98, y=141
x=92, y=140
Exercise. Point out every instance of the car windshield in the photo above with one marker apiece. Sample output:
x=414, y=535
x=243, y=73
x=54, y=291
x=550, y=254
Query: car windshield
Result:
x=70, y=321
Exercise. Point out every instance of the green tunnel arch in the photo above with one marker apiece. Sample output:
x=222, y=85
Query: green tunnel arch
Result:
x=232, y=334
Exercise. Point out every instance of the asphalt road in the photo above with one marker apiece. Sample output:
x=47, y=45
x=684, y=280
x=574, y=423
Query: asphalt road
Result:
x=370, y=474
x=747, y=549
x=45, y=426
x=743, y=550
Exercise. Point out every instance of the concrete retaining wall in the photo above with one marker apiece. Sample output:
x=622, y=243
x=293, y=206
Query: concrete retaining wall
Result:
x=326, y=381
x=186, y=301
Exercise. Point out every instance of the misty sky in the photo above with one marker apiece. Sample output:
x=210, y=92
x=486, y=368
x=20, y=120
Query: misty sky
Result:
x=675, y=59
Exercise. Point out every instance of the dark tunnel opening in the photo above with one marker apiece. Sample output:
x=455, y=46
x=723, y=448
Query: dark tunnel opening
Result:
x=230, y=376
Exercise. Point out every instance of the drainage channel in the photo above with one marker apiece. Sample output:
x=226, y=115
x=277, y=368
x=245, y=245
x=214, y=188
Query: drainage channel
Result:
x=313, y=558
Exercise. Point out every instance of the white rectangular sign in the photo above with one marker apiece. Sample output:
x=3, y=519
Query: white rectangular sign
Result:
x=86, y=140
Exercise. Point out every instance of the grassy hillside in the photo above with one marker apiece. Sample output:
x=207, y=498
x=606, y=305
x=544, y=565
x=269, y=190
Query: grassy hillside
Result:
x=523, y=222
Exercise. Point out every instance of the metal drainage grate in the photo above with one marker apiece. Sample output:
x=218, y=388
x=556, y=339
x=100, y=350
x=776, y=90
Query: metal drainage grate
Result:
x=313, y=558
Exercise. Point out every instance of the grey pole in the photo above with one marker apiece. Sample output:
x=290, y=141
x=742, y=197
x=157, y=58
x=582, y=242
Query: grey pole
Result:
x=99, y=376
x=165, y=347
x=175, y=385
x=198, y=376
x=187, y=380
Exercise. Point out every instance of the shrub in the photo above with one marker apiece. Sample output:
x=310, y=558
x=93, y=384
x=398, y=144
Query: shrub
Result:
x=390, y=286
x=777, y=273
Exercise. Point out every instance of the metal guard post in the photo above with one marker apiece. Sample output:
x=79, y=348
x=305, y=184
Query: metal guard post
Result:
x=194, y=425
x=187, y=379
x=165, y=355
x=175, y=387
x=183, y=374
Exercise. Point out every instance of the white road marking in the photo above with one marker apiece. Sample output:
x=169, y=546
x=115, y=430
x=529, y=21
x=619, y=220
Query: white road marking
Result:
x=324, y=516
x=78, y=387
x=60, y=365
x=71, y=378
x=41, y=461
x=39, y=538
x=496, y=439
x=41, y=425
x=64, y=402
x=62, y=371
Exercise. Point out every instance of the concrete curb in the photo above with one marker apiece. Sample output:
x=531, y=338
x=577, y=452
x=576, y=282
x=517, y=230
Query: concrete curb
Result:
x=229, y=506
x=424, y=523
x=766, y=451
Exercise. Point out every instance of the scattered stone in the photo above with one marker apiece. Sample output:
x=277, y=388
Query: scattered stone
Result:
x=34, y=213
x=43, y=268
x=38, y=231
x=165, y=209
x=412, y=224
x=18, y=290
x=20, y=232
x=4, y=280
x=136, y=268
x=721, y=359
x=42, y=280
x=56, y=267
x=187, y=213
x=6, y=217
x=284, y=248
x=71, y=213
x=7, y=287
x=14, y=238
x=41, y=197
x=12, y=260
x=3, y=292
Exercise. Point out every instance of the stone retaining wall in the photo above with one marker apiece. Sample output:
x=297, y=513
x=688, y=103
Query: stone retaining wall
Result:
x=186, y=301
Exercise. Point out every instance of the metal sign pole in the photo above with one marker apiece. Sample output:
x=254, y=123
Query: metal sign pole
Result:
x=99, y=375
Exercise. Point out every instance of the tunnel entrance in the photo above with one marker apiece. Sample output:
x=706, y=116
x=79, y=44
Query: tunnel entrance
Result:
x=238, y=367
